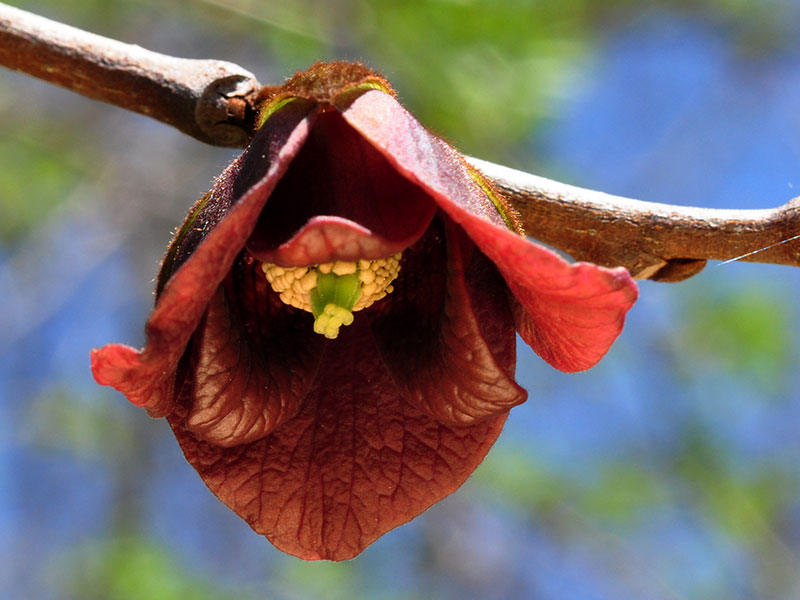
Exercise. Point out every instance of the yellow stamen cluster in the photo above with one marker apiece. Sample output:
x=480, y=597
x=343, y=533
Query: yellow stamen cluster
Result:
x=293, y=285
x=296, y=285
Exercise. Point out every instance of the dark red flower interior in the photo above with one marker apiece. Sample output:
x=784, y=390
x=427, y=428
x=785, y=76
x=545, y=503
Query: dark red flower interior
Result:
x=340, y=199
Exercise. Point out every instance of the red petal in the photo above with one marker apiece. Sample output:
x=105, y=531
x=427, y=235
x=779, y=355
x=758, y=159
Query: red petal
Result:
x=326, y=239
x=450, y=346
x=339, y=200
x=147, y=377
x=418, y=155
x=254, y=361
x=572, y=327
x=357, y=461
x=570, y=314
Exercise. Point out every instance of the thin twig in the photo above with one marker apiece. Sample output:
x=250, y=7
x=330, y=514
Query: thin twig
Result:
x=215, y=102
x=206, y=99
x=664, y=242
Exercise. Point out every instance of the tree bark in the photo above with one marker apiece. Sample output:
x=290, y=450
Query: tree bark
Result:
x=663, y=242
x=207, y=99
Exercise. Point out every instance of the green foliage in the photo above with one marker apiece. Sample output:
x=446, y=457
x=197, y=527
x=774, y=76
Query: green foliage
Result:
x=35, y=178
x=539, y=491
x=744, y=502
x=87, y=427
x=334, y=581
x=134, y=569
x=622, y=492
x=104, y=16
x=481, y=72
x=739, y=330
x=617, y=493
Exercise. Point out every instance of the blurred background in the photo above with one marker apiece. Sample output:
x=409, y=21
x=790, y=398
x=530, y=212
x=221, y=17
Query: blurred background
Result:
x=668, y=471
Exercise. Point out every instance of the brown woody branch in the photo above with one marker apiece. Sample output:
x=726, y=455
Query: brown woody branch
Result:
x=207, y=99
x=656, y=241
x=215, y=102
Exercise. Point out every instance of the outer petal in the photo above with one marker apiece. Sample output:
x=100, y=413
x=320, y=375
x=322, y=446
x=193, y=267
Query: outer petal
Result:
x=254, y=361
x=147, y=377
x=357, y=461
x=446, y=326
x=339, y=200
x=570, y=314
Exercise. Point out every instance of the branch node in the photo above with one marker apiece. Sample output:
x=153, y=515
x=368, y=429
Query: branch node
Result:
x=224, y=110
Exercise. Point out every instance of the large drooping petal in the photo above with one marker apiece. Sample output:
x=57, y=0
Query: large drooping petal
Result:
x=570, y=314
x=254, y=359
x=215, y=232
x=355, y=462
x=340, y=199
x=447, y=330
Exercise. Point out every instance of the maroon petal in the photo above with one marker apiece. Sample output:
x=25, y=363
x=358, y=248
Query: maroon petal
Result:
x=339, y=200
x=326, y=239
x=448, y=322
x=570, y=314
x=254, y=361
x=147, y=376
x=357, y=460
x=418, y=155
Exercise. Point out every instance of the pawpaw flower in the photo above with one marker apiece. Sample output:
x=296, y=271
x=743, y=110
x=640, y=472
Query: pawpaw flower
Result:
x=333, y=338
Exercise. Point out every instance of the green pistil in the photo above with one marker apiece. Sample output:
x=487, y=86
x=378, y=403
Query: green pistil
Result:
x=332, y=302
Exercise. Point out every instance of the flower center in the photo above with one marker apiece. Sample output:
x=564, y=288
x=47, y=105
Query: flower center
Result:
x=332, y=292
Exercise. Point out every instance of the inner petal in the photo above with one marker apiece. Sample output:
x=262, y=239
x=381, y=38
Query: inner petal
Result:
x=340, y=199
x=254, y=361
x=448, y=339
